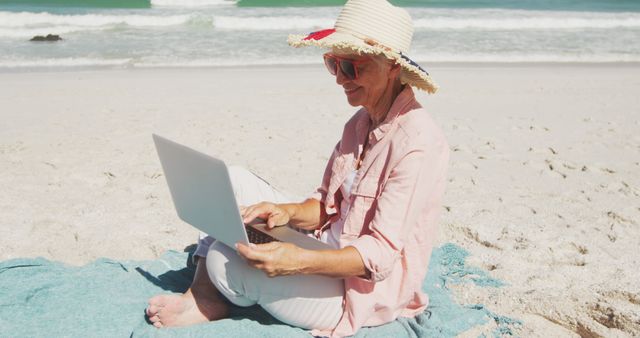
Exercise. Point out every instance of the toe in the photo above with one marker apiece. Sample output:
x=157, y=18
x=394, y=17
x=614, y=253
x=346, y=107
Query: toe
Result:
x=152, y=310
x=155, y=300
x=157, y=324
x=154, y=319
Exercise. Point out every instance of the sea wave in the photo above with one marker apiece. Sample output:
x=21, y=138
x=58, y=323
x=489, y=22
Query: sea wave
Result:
x=437, y=23
x=26, y=24
x=534, y=23
x=423, y=60
x=524, y=58
x=191, y=3
x=152, y=62
x=64, y=62
x=28, y=19
x=227, y=62
x=79, y=3
x=23, y=24
x=271, y=23
x=31, y=32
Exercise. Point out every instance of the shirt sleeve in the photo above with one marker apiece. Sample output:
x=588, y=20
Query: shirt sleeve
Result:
x=412, y=186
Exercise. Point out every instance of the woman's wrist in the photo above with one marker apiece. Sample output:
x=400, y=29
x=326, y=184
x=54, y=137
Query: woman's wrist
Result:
x=310, y=262
x=336, y=263
x=306, y=215
x=290, y=209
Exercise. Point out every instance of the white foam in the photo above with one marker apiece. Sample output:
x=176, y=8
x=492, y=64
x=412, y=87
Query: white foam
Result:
x=499, y=19
x=31, y=32
x=526, y=23
x=190, y=3
x=496, y=20
x=424, y=59
x=272, y=23
x=155, y=62
x=26, y=19
x=64, y=62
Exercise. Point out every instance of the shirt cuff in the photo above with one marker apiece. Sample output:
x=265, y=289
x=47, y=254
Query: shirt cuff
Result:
x=378, y=259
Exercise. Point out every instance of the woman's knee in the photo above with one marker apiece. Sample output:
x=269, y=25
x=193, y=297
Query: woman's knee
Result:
x=216, y=258
x=250, y=189
x=243, y=183
x=224, y=267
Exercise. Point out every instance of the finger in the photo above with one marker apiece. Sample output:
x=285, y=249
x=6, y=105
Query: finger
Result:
x=242, y=210
x=255, y=264
x=249, y=253
x=252, y=208
x=263, y=211
x=245, y=214
x=272, y=222
x=243, y=250
x=267, y=246
x=277, y=218
x=252, y=212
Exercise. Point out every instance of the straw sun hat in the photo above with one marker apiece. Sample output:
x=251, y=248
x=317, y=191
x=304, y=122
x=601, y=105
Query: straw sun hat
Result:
x=372, y=27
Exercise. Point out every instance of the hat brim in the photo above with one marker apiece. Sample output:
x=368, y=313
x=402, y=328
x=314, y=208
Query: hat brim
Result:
x=412, y=74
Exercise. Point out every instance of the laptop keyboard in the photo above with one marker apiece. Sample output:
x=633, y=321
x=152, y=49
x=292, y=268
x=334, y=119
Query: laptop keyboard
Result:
x=258, y=237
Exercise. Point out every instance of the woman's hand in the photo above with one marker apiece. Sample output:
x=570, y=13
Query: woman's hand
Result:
x=272, y=213
x=274, y=258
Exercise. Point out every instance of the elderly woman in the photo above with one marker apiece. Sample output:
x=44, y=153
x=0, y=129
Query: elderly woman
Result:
x=377, y=205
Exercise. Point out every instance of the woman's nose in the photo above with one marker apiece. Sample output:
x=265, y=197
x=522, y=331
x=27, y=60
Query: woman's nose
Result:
x=340, y=77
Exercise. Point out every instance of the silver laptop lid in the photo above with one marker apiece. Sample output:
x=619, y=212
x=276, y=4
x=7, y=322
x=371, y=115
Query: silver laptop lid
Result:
x=201, y=191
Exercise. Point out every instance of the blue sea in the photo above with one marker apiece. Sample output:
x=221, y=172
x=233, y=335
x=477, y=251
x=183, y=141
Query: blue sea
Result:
x=186, y=33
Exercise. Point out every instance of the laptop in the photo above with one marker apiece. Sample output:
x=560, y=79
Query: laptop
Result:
x=203, y=197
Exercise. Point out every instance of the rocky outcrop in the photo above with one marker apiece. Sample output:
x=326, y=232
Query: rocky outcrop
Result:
x=48, y=38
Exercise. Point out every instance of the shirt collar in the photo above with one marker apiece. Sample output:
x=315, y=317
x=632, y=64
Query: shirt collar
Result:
x=398, y=107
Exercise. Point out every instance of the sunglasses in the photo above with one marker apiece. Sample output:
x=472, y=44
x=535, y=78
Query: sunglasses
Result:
x=348, y=67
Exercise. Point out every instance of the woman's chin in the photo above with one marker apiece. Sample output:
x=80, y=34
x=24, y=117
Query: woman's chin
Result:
x=354, y=100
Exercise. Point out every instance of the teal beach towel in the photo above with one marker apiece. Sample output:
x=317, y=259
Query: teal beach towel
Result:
x=107, y=298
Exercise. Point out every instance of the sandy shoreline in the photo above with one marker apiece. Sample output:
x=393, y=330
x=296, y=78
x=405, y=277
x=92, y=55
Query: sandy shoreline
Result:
x=544, y=177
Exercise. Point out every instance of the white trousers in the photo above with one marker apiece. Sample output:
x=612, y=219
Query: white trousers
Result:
x=306, y=301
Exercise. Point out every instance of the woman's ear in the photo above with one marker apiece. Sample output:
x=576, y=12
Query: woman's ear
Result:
x=395, y=70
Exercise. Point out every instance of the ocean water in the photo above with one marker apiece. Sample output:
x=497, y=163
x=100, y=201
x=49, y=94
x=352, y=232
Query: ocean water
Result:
x=185, y=33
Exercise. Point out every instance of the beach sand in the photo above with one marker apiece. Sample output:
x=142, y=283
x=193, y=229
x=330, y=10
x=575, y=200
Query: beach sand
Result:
x=544, y=180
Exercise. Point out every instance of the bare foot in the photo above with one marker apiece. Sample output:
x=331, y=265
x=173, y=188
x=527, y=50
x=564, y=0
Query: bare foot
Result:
x=185, y=309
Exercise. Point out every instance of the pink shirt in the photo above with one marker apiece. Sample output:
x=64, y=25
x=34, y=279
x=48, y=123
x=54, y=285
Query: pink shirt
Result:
x=334, y=232
x=395, y=203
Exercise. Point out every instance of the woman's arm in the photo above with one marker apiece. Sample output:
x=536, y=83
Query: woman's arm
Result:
x=308, y=215
x=341, y=263
x=280, y=259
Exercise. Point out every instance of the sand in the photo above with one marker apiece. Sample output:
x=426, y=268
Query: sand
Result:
x=544, y=181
